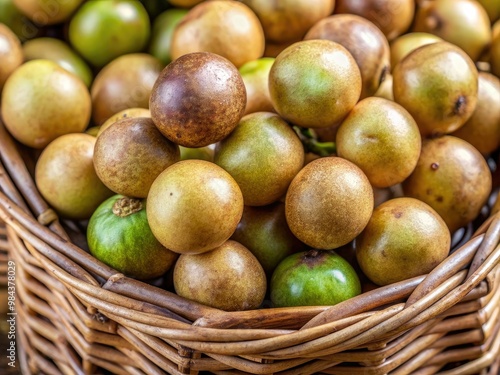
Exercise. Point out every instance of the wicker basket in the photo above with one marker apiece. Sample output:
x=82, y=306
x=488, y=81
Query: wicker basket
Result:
x=78, y=316
x=3, y=254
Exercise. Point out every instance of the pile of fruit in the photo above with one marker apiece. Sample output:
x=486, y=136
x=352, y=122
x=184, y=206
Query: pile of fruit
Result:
x=250, y=153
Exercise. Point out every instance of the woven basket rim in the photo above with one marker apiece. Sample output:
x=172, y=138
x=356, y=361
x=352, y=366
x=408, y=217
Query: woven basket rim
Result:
x=273, y=333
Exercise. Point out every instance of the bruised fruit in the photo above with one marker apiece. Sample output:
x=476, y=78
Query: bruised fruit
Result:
x=194, y=206
x=328, y=203
x=103, y=30
x=366, y=43
x=482, y=130
x=263, y=154
x=437, y=83
x=288, y=20
x=227, y=28
x=229, y=278
x=42, y=101
x=313, y=278
x=118, y=235
x=453, y=178
x=404, y=238
x=130, y=154
x=11, y=53
x=66, y=177
x=258, y=225
x=381, y=138
x=198, y=99
x=393, y=17
x=464, y=23
x=125, y=82
x=314, y=83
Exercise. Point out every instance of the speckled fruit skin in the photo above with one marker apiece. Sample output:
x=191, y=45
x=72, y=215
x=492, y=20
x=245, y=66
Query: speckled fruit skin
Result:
x=404, y=238
x=118, y=234
x=381, y=138
x=66, y=177
x=229, y=278
x=263, y=154
x=126, y=82
x=194, y=206
x=314, y=83
x=126, y=113
x=392, y=17
x=366, y=43
x=198, y=99
x=42, y=101
x=328, y=203
x=313, y=278
x=226, y=28
x=437, y=83
x=453, y=178
x=464, y=23
x=123, y=161
x=288, y=20
x=482, y=130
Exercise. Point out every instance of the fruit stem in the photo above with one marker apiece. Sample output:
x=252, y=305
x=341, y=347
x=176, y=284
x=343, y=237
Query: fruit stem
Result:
x=126, y=206
x=311, y=144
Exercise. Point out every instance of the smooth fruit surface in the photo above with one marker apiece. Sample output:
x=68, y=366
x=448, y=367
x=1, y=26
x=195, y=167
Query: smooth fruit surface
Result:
x=229, y=278
x=194, y=206
x=258, y=225
x=288, y=20
x=42, y=101
x=465, y=23
x=404, y=238
x=226, y=28
x=393, y=17
x=198, y=99
x=126, y=82
x=11, y=53
x=482, y=130
x=255, y=75
x=328, y=203
x=437, y=83
x=118, y=234
x=124, y=164
x=263, y=154
x=314, y=83
x=366, y=43
x=406, y=43
x=66, y=177
x=381, y=138
x=59, y=52
x=43, y=12
x=161, y=33
x=103, y=30
x=453, y=178
x=313, y=278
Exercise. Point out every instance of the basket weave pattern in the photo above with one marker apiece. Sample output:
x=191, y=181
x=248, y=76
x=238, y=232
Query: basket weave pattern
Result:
x=77, y=315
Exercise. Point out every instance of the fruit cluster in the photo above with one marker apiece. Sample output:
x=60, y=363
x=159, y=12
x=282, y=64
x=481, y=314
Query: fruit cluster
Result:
x=296, y=150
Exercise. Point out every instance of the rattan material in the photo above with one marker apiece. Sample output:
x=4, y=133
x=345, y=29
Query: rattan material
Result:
x=78, y=316
x=4, y=246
